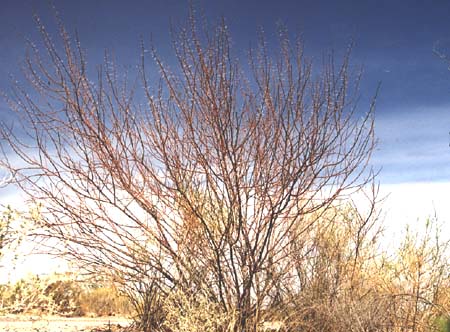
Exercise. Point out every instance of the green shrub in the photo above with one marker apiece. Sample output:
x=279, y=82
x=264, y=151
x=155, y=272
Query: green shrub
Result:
x=443, y=324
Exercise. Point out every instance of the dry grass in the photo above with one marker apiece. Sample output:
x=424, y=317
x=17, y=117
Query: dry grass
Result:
x=63, y=295
x=342, y=282
x=196, y=313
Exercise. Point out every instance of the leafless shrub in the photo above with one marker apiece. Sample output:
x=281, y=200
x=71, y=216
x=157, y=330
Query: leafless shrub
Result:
x=208, y=182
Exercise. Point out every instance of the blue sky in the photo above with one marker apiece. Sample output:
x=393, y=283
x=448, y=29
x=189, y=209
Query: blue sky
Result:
x=394, y=43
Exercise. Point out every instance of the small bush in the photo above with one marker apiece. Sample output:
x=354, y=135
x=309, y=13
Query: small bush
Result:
x=443, y=324
x=62, y=295
x=195, y=313
x=33, y=295
x=104, y=301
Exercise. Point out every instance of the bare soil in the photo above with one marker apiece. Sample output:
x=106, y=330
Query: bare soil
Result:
x=22, y=323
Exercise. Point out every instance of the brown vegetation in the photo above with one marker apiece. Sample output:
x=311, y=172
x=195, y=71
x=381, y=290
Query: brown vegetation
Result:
x=63, y=295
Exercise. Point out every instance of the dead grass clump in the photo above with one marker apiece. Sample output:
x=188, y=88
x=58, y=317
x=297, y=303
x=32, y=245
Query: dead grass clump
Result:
x=196, y=313
x=62, y=295
x=41, y=296
x=343, y=281
x=104, y=301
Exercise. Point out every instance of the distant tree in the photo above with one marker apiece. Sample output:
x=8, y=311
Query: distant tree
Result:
x=8, y=234
x=5, y=221
x=4, y=231
x=199, y=182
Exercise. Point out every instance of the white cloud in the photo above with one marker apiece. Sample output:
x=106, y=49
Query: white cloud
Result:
x=414, y=153
x=406, y=204
x=413, y=145
x=412, y=204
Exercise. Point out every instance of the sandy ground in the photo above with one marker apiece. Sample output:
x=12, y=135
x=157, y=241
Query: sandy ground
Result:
x=21, y=323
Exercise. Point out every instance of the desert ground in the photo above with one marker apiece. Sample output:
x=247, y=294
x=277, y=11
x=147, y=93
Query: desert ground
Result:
x=20, y=323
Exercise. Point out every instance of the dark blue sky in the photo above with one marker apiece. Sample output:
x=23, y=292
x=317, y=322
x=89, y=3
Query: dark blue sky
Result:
x=394, y=43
